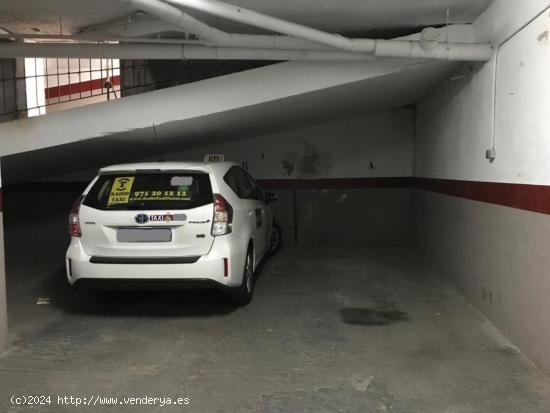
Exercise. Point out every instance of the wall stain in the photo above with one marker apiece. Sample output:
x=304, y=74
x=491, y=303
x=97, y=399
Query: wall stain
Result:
x=342, y=199
x=288, y=166
x=306, y=162
x=369, y=317
x=487, y=295
x=543, y=37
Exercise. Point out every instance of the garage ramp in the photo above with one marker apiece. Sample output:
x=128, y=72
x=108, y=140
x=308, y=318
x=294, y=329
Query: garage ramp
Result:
x=271, y=97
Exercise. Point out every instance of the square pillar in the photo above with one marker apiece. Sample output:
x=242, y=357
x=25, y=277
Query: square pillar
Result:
x=3, y=296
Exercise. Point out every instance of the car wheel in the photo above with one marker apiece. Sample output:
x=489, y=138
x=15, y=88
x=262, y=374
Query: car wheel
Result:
x=275, y=240
x=244, y=293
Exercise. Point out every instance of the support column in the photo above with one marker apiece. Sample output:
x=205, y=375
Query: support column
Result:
x=3, y=296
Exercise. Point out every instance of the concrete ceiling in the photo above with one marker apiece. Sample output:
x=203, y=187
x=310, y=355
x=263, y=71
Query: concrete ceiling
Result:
x=28, y=16
x=353, y=98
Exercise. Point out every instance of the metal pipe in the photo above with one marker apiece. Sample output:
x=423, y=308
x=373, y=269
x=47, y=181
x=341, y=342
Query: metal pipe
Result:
x=178, y=18
x=97, y=39
x=262, y=47
x=168, y=51
x=440, y=51
x=252, y=18
x=386, y=48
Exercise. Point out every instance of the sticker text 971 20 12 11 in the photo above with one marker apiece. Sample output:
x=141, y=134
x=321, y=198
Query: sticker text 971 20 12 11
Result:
x=159, y=196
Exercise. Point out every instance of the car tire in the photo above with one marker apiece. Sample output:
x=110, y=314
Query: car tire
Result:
x=275, y=240
x=243, y=294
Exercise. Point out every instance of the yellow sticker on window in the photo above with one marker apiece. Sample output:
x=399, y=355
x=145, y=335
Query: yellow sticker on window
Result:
x=120, y=191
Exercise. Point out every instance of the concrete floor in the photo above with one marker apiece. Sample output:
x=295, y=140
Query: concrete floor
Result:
x=369, y=330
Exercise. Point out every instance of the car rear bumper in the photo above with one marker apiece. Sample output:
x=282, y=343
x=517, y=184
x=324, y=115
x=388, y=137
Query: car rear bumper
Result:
x=151, y=284
x=205, y=270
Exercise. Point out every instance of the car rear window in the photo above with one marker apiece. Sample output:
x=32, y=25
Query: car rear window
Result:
x=146, y=191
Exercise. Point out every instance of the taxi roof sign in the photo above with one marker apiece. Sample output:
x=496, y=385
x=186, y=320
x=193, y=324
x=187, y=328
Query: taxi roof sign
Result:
x=214, y=158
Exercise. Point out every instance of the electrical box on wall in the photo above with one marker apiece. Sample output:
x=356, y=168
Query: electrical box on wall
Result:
x=491, y=154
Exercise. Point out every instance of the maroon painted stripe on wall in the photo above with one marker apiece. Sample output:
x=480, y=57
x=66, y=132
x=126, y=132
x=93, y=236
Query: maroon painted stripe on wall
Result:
x=80, y=87
x=535, y=198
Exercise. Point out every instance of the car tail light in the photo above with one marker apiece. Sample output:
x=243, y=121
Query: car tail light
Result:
x=74, y=219
x=223, y=216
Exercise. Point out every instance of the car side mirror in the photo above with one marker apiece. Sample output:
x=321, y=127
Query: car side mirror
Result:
x=270, y=197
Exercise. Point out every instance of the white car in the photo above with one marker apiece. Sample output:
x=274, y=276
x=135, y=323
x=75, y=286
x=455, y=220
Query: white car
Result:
x=206, y=223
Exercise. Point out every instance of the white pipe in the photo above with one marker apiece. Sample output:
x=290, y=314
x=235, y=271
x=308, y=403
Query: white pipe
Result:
x=382, y=48
x=129, y=27
x=189, y=24
x=176, y=17
x=386, y=48
x=442, y=51
x=252, y=18
x=97, y=39
x=168, y=51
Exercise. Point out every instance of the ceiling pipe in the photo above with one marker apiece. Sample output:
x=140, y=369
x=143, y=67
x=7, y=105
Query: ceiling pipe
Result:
x=134, y=25
x=169, y=52
x=178, y=18
x=262, y=21
x=383, y=48
x=214, y=36
x=96, y=39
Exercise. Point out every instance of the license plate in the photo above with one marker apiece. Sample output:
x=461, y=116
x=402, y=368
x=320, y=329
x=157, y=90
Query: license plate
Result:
x=144, y=235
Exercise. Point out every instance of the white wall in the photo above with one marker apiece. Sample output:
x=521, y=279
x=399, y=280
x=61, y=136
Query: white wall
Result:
x=339, y=149
x=497, y=255
x=505, y=17
x=71, y=71
x=455, y=124
x=61, y=72
x=85, y=99
x=379, y=145
x=342, y=149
